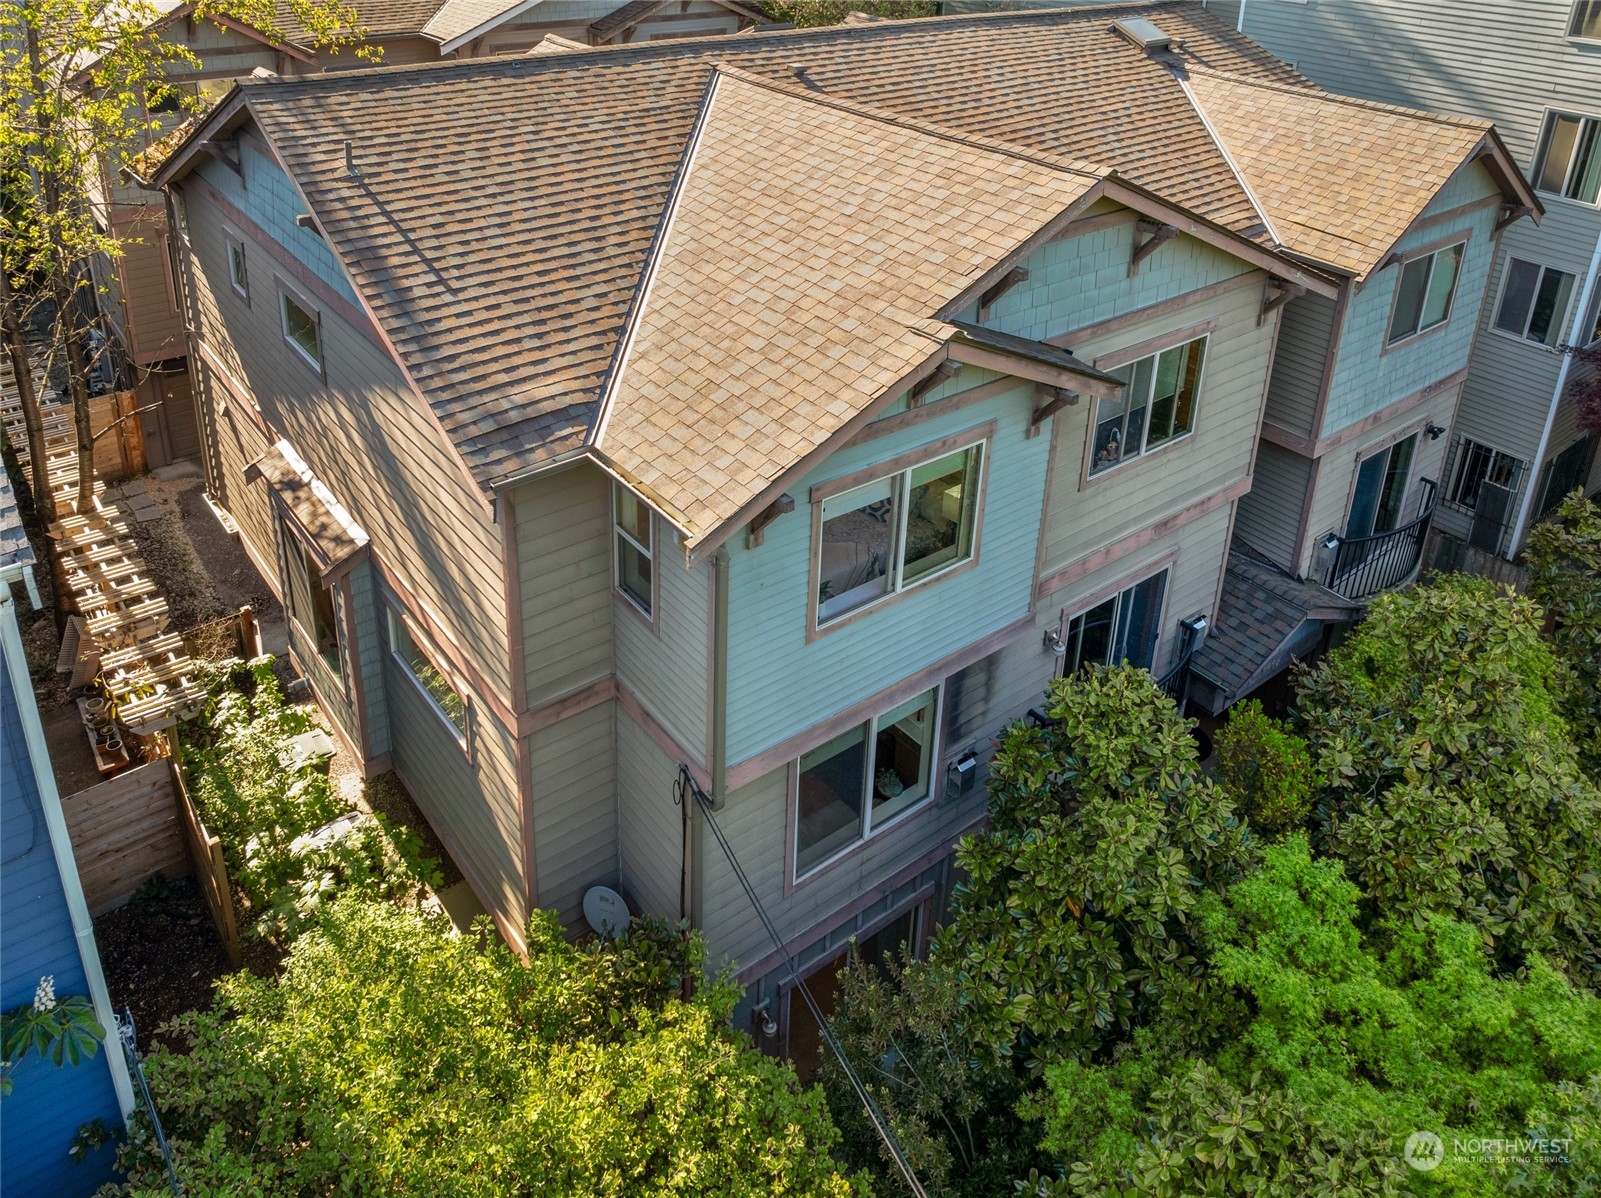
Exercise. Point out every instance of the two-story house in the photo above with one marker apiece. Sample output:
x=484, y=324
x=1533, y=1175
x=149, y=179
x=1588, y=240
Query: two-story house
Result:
x=782, y=411
x=1516, y=449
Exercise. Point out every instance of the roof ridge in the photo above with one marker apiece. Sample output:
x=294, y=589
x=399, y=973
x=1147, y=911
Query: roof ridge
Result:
x=1321, y=93
x=1228, y=156
x=993, y=145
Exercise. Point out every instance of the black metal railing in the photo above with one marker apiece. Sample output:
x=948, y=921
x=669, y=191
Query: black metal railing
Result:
x=1364, y=566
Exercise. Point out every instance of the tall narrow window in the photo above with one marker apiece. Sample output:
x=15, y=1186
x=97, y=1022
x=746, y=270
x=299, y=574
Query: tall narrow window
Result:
x=1569, y=161
x=236, y=269
x=301, y=331
x=635, y=548
x=312, y=605
x=1124, y=628
x=440, y=692
x=1425, y=291
x=855, y=784
x=1157, y=405
x=1586, y=20
x=1534, y=302
x=897, y=531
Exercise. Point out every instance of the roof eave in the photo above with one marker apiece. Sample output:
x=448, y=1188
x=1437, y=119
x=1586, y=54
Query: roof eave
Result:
x=229, y=107
x=451, y=45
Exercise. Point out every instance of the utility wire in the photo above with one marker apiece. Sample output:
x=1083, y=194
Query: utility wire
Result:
x=688, y=785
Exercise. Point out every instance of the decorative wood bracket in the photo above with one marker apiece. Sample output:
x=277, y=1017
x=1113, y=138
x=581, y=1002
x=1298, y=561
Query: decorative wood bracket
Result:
x=995, y=290
x=1156, y=235
x=1282, y=291
x=1510, y=213
x=756, y=531
x=1049, y=401
x=307, y=221
x=945, y=370
x=226, y=154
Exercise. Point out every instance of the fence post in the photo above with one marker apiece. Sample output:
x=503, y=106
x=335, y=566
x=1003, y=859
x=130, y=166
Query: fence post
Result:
x=249, y=633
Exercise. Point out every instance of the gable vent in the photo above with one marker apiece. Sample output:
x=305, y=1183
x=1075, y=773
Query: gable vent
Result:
x=1144, y=34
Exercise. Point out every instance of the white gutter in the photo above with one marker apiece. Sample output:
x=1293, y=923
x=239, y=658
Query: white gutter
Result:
x=1575, y=333
x=60, y=841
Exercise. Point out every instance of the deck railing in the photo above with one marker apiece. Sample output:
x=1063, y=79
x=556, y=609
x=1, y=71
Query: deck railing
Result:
x=1364, y=566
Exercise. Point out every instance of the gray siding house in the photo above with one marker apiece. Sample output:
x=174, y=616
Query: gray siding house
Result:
x=1515, y=449
x=773, y=416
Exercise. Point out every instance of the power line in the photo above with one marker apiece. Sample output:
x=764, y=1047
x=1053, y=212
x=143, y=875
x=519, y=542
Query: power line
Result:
x=688, y=786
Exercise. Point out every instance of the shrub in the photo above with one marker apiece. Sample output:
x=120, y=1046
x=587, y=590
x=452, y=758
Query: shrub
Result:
x=1448, y=779
x=1564, y=557
x=394, y=1057
x=1266, y=770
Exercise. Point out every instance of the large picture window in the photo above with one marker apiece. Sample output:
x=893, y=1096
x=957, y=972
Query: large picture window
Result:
x=897, y=531
x=1124, y=628
x=1157, y=405
x=1425, y=291
x=1534, y=302
x=441, y=693
x=855, y=784
x=1569, y=161
x=634, y=548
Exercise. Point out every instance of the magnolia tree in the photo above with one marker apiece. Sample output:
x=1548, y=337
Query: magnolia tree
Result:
x=80, y=85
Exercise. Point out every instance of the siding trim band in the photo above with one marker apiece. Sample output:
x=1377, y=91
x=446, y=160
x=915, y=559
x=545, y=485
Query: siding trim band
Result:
x=1307, y=448
x=603, y=690
x=1177, y=303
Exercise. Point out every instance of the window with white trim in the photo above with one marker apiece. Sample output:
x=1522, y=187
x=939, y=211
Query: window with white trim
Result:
x=1569, y=160
x=1124, y=628
x=301, y=329
x=1586, y=20
x=1479, y=464
x=897, y=531
x=633, y=559
x=1157, y=405
x=237, y=275
x=1424, y=292
x=859, y=782
x=442, y=694
x=1534, y=302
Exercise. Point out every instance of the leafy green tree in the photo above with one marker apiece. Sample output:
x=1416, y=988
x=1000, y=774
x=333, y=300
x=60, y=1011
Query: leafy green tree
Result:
x=1075, y=924
x=806, y=14
x=1449, y=780
x=1266, y=770
x=1564, y=556
x=393, y=1057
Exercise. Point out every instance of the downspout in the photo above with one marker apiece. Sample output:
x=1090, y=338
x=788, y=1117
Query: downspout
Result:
x=61, y=842
x=720, y=562
x=1239, y=25
x=1579, y=311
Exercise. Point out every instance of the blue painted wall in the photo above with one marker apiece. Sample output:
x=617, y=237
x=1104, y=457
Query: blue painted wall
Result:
x=1366, y=379
x=39, y=1118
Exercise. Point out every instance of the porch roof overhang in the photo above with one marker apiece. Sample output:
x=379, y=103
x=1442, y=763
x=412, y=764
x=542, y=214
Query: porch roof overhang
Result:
x=331, y=534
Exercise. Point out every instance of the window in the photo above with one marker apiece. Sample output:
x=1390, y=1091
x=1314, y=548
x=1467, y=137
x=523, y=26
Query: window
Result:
x=897, y=531
x=1586, y=22
x=1424, y=293
x=1589, y=329
x=442, y=695
x=301, y=331
x=1563, y=473
x=1569, y=161
x=236, y=269
x=312, y=604
x=1479, y=464
x=1124, y=628
x=1157, y=406
x=854, y=785
x=1534, y=302
x=633, y=528
x=180, y=213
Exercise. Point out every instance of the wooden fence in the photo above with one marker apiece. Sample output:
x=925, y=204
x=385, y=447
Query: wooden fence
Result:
x=141, y=823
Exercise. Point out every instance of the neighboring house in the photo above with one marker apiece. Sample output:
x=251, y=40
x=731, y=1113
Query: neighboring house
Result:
x=788, y=410
x=137, y=294
x=1534, y=68
x=44, y=929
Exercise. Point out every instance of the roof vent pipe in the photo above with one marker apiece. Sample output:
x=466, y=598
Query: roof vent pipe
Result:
x=350, y=161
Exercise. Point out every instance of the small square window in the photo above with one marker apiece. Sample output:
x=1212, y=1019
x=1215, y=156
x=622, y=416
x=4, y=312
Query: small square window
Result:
x=1124, y=628
x=237, y=275
x=1425, y=292
x=1479, y=464
x=301, y=330
x=634, y=536
x=1586, y=20
x=1534, y=302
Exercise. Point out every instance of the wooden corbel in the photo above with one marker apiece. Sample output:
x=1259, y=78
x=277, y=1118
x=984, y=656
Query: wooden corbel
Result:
x=1156, y=235
x=1048, y=401
x=1511, y=213
x=948, y=369
x=1282, y=292
x=309, y=222
x=226, y=154
x=756, y=531
x=995, y=290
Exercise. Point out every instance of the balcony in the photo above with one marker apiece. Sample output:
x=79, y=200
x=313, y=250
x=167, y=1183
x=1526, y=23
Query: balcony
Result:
x=1361, y=567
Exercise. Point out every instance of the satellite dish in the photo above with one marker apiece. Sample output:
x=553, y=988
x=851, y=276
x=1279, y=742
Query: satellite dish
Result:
x=605, y=910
